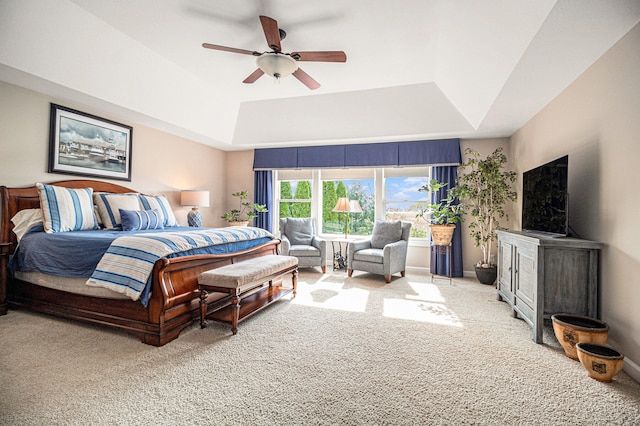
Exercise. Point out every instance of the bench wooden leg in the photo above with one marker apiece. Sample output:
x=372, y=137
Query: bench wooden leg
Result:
x=294, y=281
x=203, y=308
x=235, y=313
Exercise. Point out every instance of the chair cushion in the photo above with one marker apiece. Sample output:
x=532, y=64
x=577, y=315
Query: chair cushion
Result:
x=303, y=251
x=372, y=255
x=299, y=231
x=386, y=232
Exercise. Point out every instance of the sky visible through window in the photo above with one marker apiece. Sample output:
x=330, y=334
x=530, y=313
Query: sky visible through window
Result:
x=403, y=191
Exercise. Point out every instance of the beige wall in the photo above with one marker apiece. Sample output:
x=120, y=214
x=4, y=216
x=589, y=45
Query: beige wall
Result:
x=239, y=176
x=161, y=163
x=596, y=121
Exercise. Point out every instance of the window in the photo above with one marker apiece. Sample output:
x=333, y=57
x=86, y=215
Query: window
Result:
x=360, y=190
x=402, y=197
x=388, y=194
x=294, y=194
x=355, y=185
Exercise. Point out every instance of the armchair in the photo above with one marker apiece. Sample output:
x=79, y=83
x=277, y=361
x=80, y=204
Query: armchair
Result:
x=384, y=253
x=299, y=239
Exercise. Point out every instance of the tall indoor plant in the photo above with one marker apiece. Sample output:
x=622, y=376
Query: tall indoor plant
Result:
x=485, y=188
x=442, y=216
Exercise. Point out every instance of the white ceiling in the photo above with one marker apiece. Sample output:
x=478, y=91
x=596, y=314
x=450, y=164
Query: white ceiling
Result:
x=416, y=69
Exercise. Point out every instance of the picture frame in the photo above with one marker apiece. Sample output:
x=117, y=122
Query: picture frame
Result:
x=86, y=145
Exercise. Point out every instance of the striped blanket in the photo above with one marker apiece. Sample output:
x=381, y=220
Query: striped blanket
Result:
x=127, y=265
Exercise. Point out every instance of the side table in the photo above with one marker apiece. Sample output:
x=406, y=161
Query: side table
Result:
x=5, y=250
x=439, y=250
x=339, y=255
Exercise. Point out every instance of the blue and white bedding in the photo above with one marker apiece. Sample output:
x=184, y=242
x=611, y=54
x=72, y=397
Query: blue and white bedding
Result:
x=123, y=261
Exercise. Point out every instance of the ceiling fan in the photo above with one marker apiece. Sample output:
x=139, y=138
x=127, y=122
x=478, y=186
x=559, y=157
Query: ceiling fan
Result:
x=277, y=63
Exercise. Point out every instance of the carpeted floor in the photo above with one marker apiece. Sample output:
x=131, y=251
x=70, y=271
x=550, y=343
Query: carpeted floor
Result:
x=346, y=351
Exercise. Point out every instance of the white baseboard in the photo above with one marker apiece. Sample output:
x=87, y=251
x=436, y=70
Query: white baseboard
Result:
x=426, y=271
x=632, y=369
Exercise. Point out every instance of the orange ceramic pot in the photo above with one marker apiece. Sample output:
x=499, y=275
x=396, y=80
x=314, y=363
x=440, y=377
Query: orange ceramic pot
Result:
x=572, y=329
x=601, y=362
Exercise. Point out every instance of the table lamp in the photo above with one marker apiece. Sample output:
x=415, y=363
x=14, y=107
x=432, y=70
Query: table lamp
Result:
x=194, y=199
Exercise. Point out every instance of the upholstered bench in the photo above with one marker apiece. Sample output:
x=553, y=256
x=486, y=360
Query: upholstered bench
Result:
x=246, y=281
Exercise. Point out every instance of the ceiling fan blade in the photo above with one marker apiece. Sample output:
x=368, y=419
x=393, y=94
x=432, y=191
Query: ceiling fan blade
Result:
x=254, y=76
x=331, y=56
x=230, y=49
x=271, y=32
x=306, y=79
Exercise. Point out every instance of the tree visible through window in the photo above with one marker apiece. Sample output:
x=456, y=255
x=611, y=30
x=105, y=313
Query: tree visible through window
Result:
x=298, y=204
x=359, y=223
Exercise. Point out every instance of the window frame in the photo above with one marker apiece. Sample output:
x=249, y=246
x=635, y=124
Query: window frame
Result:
x=316, y=179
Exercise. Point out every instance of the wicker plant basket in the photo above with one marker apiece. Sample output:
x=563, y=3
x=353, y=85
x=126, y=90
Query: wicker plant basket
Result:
x=442, y=234
x=240, y=223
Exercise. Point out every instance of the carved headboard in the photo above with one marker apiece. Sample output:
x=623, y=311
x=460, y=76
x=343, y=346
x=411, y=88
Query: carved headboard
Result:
x=12, y=200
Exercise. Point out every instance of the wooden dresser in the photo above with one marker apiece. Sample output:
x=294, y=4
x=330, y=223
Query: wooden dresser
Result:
x=539, y=276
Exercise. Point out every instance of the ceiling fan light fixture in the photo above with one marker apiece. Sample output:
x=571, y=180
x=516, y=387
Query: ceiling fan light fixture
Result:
x=277, y=65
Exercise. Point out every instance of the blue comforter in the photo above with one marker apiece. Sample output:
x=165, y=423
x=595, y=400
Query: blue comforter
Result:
x=77, y=254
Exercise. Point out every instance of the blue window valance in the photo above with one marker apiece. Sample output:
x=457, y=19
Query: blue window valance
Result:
x=390, y=154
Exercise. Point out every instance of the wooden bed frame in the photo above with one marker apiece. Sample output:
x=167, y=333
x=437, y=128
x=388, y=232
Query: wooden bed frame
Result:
x=174, y=303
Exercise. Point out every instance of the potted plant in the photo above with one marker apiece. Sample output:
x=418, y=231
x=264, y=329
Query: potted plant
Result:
x=246, y=212
x=443, y=216
x=485, y=188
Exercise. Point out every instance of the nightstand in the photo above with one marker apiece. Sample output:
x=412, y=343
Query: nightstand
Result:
x=5, y=250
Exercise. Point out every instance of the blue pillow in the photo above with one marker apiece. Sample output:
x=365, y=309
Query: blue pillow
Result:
x=138, y=220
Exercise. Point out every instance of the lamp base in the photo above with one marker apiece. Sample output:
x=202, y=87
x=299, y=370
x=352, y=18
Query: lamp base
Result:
x=194, y=218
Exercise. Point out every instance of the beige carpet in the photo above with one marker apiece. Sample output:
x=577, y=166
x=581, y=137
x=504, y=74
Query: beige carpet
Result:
x=345, y=351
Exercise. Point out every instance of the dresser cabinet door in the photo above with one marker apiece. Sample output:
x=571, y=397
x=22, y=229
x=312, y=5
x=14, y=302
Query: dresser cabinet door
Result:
x=526, y=279
x=505, y=271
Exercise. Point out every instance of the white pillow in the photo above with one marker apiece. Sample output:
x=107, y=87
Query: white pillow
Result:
x=160, y=203
x=109, y=206
x=25, y=219
x=66, y=209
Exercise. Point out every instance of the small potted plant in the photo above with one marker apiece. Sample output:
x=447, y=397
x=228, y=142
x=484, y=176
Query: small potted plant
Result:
x=485, y=188
x=246, y=212
x=443, y=216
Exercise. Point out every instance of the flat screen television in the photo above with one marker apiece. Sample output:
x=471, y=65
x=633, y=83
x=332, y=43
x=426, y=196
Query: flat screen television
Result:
x=545, y=198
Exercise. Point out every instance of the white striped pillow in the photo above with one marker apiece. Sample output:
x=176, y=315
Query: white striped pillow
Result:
x=160, y=203
x=66, y=209
x=109, y=206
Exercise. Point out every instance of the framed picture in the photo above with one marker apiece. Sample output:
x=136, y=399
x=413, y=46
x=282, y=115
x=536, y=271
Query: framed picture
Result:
x=86, y=145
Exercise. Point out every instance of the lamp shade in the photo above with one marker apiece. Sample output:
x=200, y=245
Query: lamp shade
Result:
x=194, y=198
x=354, y=206
x=342, y=205
x=276, y=64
